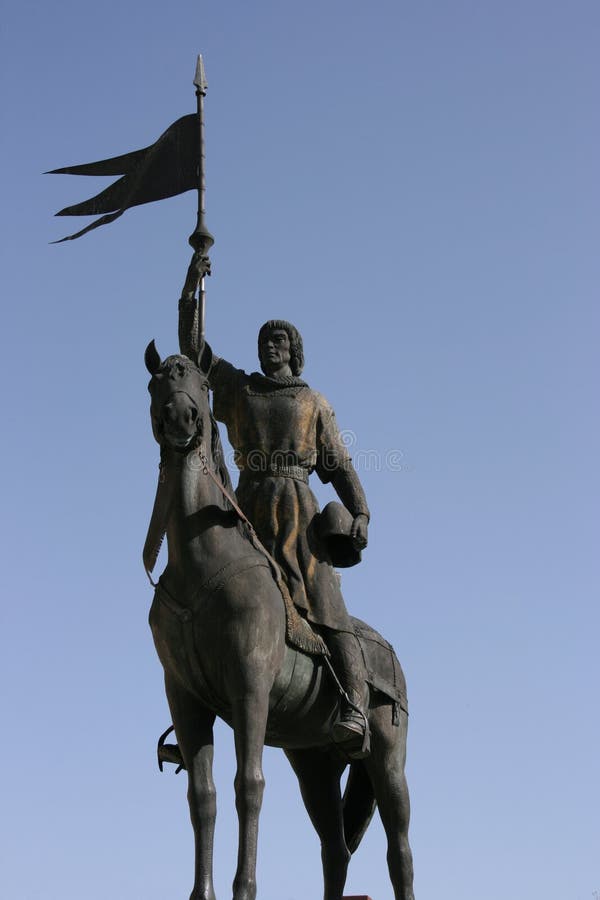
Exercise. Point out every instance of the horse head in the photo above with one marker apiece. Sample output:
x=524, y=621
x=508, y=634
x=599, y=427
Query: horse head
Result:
x=179, y=400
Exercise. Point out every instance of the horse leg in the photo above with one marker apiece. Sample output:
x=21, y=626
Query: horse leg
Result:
x=319, y=777
x=194, y=731
x=385, y=767
x=249, y=715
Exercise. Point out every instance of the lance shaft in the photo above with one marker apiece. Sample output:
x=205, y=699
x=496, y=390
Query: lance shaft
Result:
x=201, y=239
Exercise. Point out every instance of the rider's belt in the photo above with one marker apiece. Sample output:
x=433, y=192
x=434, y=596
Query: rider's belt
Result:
x=296, y=472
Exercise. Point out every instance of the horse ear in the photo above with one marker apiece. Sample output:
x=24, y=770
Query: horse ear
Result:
x=152, y=358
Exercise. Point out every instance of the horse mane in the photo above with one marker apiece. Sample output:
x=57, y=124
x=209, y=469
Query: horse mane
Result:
x=216, y=447
x=218, y=456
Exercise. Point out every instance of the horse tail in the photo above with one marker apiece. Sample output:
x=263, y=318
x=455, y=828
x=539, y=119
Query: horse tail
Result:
x=359, y=805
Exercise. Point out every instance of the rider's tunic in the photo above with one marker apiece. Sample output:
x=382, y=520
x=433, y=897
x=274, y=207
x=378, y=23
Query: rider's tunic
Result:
x=281, y=431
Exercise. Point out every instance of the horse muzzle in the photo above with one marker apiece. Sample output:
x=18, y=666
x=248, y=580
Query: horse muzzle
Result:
x=180, y=422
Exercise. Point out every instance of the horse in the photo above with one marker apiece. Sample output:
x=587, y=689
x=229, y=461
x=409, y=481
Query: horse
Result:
x=218, y=621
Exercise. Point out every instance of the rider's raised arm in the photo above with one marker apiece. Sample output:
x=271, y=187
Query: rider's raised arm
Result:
x=189, y=313
x=225, y=381
x=188, y=326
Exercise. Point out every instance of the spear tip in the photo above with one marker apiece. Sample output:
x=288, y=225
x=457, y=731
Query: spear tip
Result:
x=200, y=76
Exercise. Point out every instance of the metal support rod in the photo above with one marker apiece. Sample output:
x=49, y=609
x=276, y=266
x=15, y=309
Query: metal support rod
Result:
x=201, y=313
x=201, y=87
x=201, y=239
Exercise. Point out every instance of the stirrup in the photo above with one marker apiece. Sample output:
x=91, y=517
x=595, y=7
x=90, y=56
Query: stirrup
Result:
x=351, y=734
x=169, y=752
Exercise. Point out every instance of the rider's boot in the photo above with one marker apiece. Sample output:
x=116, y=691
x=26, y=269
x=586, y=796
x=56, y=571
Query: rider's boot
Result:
x=347, y=660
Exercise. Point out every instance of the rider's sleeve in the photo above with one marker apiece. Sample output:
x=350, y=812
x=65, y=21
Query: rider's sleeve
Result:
x=334, y=463
x=188, y=326
x=225, y=382
x=350, y=491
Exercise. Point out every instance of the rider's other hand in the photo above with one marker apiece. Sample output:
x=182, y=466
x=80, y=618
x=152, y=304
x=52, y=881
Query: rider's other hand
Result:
x=360, y=532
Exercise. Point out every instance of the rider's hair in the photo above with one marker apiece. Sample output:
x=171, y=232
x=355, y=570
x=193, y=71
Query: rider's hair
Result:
x=296, y=346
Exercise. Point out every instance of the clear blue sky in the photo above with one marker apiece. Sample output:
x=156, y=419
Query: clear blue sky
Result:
x=416, y=186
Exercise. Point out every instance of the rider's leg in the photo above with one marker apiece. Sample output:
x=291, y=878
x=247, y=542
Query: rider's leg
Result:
x=348, y=663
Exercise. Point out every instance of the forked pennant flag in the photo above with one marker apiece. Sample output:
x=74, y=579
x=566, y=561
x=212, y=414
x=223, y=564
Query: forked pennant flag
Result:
x=168, y=167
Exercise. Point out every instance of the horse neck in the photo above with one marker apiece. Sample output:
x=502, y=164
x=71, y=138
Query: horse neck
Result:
x=201, y=534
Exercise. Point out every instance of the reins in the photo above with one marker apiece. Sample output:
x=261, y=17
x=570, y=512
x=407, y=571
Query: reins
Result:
x=206, y=470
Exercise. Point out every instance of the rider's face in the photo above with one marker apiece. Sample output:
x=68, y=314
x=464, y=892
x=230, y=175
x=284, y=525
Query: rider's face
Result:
x=274, y=351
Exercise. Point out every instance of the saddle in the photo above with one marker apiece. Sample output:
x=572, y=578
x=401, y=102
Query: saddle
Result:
x=384, y=673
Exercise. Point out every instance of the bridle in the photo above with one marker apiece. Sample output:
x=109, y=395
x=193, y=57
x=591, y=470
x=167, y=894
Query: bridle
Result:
x=159, y=520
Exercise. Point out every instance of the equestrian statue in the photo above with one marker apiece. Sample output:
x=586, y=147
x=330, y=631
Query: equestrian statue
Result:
x=248, y=618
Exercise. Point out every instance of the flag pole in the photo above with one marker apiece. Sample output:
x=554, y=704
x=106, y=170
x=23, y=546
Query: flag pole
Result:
x=201, y=239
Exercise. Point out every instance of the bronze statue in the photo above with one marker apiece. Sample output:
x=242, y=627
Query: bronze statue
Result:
x=220, y=618
x=248, y=618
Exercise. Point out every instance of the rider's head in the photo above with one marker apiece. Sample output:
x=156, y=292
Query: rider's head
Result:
x=266, y=351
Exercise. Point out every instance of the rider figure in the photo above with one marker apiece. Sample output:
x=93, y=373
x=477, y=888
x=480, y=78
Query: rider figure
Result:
x=281, y=431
